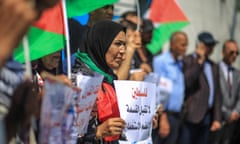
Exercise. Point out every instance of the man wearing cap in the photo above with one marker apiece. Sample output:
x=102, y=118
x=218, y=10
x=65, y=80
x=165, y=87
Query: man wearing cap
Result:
x=202, y=94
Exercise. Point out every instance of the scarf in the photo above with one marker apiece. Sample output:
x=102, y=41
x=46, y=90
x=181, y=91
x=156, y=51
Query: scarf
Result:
x=96, y=44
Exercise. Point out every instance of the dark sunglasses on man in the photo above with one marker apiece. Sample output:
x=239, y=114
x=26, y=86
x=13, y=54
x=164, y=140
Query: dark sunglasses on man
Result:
x=234, y=52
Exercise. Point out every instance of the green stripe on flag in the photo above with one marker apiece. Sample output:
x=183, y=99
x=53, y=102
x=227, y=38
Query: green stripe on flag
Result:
x=80, y=7
x=162, y=33
x=41, y=43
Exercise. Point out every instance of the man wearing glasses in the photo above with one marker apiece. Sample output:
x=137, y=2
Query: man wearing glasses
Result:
x=202, y=95
x=230, y=88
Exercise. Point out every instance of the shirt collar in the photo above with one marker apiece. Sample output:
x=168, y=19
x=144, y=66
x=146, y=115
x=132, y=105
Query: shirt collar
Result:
x=170, y=57
x=226, y=66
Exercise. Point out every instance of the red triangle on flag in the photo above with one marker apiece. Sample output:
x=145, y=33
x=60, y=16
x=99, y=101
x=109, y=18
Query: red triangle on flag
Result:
x=166, y=11
x=51, y=20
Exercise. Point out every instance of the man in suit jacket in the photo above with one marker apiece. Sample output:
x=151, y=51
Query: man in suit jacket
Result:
x=203, y=100
x=230, y=88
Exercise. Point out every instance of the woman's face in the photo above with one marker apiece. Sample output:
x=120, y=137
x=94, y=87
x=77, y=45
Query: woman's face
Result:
x=116, y=52
x=51, y=61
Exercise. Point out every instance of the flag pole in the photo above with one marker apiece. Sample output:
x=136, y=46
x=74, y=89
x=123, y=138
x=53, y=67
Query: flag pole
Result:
x=28, y=70
x=66, y=29
x=138, y=14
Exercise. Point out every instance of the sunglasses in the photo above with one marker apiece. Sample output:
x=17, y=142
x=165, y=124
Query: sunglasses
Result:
x=234, y=52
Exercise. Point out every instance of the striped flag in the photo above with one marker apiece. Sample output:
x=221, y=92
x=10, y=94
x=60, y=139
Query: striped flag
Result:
x=46, y=36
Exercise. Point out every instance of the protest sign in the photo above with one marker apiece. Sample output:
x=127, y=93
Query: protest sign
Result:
x=136, y=102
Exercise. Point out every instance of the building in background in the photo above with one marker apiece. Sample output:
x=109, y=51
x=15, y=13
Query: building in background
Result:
x=216, y=16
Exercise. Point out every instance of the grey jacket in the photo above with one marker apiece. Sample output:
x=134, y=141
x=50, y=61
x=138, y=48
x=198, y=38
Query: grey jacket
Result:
x=230, y=104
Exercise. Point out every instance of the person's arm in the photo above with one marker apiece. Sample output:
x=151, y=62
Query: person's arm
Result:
x=133, y=43
x=146, y=67
x=226, y=112
x=155, y=121
x=217, y=95
x=15, y=19
x=191, y=72
x=157, y=117
x=123, y=71
x=193, y=66
x=237, y=106
x=164, y=126
x=217, y=113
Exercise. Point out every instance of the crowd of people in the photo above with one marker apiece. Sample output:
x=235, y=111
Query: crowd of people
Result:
x=203, y=106
x=200, y=109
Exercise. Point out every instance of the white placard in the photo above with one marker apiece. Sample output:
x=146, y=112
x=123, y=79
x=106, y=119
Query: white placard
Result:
x=136, y=101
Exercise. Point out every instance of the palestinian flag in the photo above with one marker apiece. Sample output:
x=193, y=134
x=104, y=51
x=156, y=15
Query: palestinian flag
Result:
x=46, y=36
x=167, y=17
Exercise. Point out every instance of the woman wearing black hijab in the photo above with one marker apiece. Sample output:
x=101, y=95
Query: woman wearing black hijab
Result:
x=103, y=50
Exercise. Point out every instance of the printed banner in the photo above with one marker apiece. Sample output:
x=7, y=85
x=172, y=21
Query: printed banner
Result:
x=66, y=110
x=83, y=106
x=57, y=97
x=136, y=102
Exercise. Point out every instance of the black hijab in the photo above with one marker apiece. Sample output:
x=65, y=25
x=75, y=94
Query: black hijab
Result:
x=97, y=42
